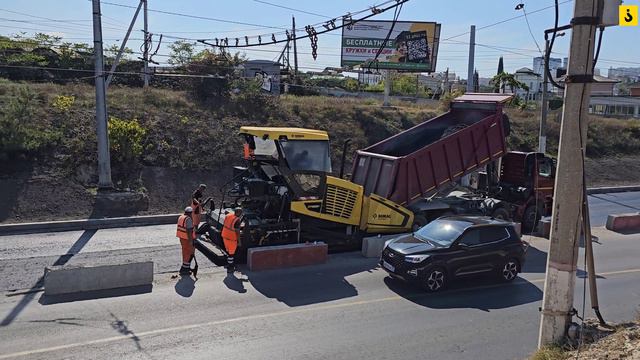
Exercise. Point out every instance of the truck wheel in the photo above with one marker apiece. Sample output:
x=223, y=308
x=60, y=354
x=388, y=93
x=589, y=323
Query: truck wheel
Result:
x=501, y=214
x=418, y=222
x=532, y=215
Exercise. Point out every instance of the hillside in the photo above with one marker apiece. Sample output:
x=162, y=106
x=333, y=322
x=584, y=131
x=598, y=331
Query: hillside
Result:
x=164, y=143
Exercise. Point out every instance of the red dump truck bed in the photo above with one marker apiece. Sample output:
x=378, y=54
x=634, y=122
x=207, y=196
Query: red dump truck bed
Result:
x=418, y=161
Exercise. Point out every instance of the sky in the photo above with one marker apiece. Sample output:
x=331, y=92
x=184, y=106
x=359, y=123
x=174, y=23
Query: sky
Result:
x=71, y=19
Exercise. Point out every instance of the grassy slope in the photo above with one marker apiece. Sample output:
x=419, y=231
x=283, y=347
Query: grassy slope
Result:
x=182, y=134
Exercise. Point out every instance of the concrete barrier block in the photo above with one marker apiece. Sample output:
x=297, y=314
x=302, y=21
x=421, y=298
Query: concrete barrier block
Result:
x=68, y=279
x=283, y=256
x=624, y=222
x=544, y=227
x=518, y=227
x=372, y=246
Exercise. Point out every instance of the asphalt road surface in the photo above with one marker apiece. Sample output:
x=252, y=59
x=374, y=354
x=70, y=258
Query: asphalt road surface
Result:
x=347, y=308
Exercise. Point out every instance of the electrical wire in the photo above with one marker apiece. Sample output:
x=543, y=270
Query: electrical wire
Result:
x=526, y=18
x=197, y=16
x=292, y=9
x=315, y=33
x=547, y=55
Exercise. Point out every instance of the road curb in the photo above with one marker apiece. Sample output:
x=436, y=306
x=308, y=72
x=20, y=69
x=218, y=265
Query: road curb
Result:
x=87, y=224
x=612, y=189
x=93, y=224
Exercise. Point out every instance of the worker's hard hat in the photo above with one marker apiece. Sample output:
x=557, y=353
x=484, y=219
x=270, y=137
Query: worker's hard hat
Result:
x=188, y=209
x=237, y=209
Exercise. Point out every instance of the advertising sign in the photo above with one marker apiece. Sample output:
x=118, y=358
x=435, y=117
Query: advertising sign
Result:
x=411, y=46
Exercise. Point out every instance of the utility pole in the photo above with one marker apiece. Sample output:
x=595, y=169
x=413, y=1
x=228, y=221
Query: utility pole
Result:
x=559, y=286
x=387, y=87
x=542, y=139
x=124, y=44
x=472, y=46
x=446, y=82
x=104, y=159
x=295, y=47
x=146, y=47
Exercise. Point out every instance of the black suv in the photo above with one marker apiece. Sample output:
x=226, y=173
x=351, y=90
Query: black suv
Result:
x=455, y=246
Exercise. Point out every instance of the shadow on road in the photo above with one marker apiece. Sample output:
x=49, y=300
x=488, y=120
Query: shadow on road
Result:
x=235, y=283
x=481, y=294
x=92, y=295
x=63, y=259
x=313, y=284
x=185, y=286
x=536, y=261
x=609, y=200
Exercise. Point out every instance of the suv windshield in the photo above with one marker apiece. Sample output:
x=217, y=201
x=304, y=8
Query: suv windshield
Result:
x=309, y=155
x=442, y=232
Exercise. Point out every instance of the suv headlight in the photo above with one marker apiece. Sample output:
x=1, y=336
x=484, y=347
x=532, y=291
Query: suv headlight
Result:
x=414, y=259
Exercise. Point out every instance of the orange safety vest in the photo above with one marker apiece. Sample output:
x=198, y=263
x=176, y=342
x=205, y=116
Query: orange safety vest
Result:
x=182, y=228
x=228, y=228
x=248, y=152
x=197, y=209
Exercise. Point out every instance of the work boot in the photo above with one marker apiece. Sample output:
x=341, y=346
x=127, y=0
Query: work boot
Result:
x=185, y=271
x=231, y=269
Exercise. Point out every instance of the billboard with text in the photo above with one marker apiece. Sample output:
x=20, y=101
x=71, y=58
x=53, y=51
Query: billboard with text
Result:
x=411, y=46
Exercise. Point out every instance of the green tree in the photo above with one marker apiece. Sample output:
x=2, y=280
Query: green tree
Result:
x=112, y=51
x=182, y=53
x=504, y=79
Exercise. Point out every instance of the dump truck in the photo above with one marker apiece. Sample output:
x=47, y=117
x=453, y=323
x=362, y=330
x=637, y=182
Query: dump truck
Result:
x=411, y=167
x=289, y=194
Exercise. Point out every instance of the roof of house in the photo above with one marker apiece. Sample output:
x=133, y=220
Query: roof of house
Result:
x=596, y=78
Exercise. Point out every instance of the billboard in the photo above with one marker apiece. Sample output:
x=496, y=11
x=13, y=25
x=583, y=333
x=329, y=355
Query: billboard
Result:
x=412, y=45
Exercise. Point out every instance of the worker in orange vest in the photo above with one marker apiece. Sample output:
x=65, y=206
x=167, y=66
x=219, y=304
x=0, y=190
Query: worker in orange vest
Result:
x=231, y=236
x=187, y=235
x=197, y=204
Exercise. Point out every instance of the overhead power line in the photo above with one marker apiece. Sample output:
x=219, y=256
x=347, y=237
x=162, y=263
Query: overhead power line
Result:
x=197, y=16
x=292, y=9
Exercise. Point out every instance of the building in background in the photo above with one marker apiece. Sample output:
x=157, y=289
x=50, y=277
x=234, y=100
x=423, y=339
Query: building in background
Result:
x=634, y=89
x=533, y=80
x=370, y=78
x=538, y=64
x=266, y=71
x=615, y=106
x=625, y=74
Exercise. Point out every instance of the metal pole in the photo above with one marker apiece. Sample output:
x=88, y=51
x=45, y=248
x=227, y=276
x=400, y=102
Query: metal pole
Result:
x=559, y=286
x=146, y=46
x=387, y=87
x=295, y=46
x=104, y=160
x=542, y=139
x=588, y=248
x=446, y=82
x=472, y=46
x=124, y=44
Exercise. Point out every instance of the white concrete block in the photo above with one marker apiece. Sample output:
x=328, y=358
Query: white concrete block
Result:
x=372, y=246
x=69, y=279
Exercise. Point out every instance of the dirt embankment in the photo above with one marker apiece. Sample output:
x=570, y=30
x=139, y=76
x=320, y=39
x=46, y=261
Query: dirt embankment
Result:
x=180, y=143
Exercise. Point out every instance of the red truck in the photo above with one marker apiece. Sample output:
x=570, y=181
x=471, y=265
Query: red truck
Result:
x=412, y=167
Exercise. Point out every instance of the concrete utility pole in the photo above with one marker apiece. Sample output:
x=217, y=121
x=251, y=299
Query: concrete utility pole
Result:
x=446, y=82
x=387, y=88
x=295, y=46
x=542, y=138
x=104, y=159
x=124, y=44
x=557, y=303
x=472, y=47
x=146, y=47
